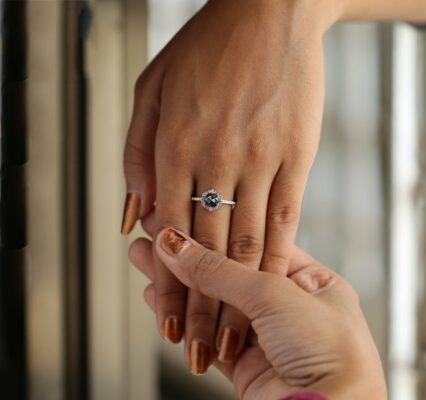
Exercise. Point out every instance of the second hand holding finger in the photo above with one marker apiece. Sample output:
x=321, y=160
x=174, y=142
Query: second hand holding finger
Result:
x=333, y=354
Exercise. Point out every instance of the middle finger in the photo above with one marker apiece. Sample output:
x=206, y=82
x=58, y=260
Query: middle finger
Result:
x=246, y=244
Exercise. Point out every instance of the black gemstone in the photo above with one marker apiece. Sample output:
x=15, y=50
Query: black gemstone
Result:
x=212, y=200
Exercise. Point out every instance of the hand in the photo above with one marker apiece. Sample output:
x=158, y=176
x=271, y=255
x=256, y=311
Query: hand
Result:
x=310, y=334
x=234, y=102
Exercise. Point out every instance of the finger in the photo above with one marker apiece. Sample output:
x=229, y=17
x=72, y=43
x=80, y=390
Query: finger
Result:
x=211, y=229
x=173, y=206
x=313, y=277
x=149, y=295
x=148, y=223
x=283, y=218
x=246, y=243
x=139, y=168
x=226, y=369
x=140, y=255
x=299, y=260
x=223, y=279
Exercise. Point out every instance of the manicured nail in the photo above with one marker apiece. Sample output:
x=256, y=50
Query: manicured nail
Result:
x=228, y=345
x=173, y=329
x=131, y=212
x=173, y=242
x=199, y=357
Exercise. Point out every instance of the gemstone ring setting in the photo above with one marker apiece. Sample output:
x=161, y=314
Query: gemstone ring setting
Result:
x=212, y=200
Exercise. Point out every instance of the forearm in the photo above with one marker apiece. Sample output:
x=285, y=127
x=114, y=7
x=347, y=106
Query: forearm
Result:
x=325, y=13
x=382, y=10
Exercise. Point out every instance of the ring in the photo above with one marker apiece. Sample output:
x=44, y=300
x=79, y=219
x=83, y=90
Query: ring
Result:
x=212, y=200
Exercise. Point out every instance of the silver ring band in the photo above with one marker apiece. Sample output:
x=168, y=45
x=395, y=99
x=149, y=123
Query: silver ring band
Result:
x=212, y=200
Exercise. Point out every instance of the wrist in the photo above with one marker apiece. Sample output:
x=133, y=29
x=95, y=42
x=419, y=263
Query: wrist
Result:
x=296, y=18
x=318, y=16
x=381, y=10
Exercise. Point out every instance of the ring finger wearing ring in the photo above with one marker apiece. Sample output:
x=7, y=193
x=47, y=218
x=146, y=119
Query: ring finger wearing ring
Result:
x=211, y=230
x=212, y=200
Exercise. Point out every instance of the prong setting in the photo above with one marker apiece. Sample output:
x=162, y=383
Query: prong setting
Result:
x=211, y=200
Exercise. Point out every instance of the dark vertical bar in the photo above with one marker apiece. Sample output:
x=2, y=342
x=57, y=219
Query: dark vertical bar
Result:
x=385, y=137
x=76, y=328
x=13, y=240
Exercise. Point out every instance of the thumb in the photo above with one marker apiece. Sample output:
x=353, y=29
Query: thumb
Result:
x=216, y=276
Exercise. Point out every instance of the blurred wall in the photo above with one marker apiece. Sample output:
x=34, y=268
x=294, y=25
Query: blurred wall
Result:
x=45, y=114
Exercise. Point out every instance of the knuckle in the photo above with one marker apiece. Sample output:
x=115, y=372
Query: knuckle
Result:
x=200, y=316
x=165, y=218
x=276, y=261
x=268, y=298
x=140, y=85
x=257, y=148
x=177, y=149
x=245, y=247
x=221, y=152
x=180, y=158
x=258, y=308
x=207, y=242
x=136, y=159
x=283, y=215
x=166, y=295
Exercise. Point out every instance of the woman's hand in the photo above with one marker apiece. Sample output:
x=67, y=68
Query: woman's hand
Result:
x=309, y=332
x=234, y=102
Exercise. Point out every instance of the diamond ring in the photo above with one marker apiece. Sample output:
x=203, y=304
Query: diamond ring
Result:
x=212, y=200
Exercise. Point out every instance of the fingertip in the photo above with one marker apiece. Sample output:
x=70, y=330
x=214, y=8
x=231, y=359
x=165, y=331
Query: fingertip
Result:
x=313, y=278
x=140, y=255
x=134, y=249
x=131, y=213
x=171, y=242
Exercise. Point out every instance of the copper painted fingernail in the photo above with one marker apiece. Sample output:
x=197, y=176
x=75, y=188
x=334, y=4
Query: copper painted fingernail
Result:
x=173, y=242
x=131, y=212
x=228, y=345
x=199, y=357
x=173, y=329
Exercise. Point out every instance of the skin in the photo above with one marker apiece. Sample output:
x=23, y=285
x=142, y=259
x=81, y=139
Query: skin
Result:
x=329, y=351
x=234, y=102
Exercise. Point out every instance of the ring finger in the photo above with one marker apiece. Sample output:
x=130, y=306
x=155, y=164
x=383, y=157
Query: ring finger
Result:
x=211, y=230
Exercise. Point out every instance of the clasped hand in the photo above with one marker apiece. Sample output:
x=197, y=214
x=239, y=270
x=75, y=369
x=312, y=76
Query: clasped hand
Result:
x=309, y=333
x=234, y=102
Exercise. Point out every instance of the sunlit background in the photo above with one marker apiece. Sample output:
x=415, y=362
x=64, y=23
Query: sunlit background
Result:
x=363, y=212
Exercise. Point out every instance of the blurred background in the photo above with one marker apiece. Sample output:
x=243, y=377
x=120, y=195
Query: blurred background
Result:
x=73, y=323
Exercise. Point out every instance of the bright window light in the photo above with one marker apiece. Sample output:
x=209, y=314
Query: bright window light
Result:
x=404, y=247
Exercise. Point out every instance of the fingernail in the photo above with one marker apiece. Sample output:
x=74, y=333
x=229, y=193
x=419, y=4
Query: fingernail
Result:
x=173, y=242
x=199, y=357
x=228, y=345
x=173, y=329
x=131, y=212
